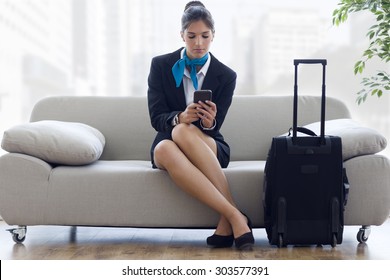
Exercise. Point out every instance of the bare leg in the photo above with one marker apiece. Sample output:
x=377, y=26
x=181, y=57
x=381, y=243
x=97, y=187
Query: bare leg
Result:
x=185, y=137
x=191, y=162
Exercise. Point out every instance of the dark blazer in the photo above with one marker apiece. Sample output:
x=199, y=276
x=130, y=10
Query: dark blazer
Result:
x=165, y=100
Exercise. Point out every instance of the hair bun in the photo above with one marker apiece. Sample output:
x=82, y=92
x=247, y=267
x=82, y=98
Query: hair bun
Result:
x=194, y=4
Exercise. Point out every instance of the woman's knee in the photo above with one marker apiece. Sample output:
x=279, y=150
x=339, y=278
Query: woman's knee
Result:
x=183, y=132
x=163, y=152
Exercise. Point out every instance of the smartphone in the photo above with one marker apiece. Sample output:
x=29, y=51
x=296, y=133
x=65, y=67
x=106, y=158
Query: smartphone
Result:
x=203, y=95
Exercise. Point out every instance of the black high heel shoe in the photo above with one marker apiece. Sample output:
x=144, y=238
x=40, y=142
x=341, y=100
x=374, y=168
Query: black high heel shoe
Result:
x=220, y=241
x=245, y=241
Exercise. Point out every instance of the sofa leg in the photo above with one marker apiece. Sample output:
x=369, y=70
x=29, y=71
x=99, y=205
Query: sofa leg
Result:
x=18, y=234
x=363, y=234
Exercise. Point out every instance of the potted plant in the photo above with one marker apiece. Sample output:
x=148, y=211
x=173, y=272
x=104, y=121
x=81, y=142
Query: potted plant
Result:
x=379, y=42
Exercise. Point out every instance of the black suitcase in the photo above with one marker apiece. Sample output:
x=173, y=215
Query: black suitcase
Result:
x=305, y=183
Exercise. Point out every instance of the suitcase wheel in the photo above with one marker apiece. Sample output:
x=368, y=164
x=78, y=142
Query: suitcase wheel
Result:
x=280, y=240
x=334, y=240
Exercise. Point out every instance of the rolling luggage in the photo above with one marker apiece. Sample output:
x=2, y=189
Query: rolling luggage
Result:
x=305, y=183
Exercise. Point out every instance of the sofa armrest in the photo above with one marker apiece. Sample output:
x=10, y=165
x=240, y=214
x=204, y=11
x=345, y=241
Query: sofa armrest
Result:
x=8, y=159
x=23, y=188
x=369, y=193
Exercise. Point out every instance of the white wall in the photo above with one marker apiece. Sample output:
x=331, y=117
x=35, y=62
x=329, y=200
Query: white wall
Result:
x=104, y=47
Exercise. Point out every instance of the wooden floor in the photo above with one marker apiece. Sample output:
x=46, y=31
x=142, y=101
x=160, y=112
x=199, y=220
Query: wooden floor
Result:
x=96, y=243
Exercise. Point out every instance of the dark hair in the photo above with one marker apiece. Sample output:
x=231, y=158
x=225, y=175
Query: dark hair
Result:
x=194, y=3
x=195, y=11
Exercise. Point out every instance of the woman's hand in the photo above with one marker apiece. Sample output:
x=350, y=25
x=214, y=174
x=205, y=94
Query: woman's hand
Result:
x=190, y=114
x=207, y=112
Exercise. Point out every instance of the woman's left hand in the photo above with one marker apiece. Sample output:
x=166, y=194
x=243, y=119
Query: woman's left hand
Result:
x=207, y=113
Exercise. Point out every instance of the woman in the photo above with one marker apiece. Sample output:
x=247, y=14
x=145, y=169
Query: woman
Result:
x=188, y=144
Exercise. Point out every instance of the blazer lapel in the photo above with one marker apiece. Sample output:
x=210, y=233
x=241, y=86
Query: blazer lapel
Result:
x=211, y=81
x=177, y=92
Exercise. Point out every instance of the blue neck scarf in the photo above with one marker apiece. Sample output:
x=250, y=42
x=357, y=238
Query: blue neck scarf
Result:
x=178, y=68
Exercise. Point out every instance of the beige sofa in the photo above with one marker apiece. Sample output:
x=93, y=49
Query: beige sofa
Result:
x=121, y=189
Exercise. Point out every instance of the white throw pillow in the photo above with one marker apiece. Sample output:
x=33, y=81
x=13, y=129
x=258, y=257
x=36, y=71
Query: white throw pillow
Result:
x=57, y=142
x=356, y=139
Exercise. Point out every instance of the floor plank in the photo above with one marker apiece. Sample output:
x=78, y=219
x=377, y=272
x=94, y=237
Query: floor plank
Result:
x=102, y=243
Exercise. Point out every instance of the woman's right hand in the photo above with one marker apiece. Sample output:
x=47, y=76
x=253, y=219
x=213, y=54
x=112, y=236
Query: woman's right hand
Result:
x=190, y=114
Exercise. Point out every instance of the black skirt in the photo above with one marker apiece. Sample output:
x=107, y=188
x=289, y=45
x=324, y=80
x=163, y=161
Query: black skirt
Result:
x=223, y=149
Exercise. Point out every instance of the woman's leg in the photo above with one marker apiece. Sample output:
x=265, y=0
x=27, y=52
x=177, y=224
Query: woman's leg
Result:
x=191, y=162
x=185, y=137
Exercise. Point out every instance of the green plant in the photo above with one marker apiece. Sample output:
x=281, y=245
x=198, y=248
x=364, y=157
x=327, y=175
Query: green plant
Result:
x=379, y=42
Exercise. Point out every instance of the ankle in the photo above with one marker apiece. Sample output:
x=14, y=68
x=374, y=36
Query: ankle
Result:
x=223, y=228
x=239, y=224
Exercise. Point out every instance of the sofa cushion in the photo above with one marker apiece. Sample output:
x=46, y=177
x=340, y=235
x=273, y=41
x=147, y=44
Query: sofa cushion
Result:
x=356, y=139
x=57, y=142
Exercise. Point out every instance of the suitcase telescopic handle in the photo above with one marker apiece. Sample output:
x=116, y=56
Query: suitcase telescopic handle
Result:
x=323, y=99
x=310, y=61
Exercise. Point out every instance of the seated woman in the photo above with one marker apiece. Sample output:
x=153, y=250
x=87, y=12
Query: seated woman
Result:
x=189, y=145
